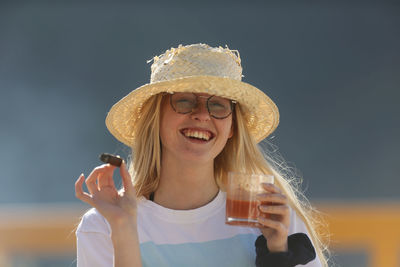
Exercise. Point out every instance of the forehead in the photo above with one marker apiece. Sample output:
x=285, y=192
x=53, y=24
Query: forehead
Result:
x=202, y=94
x=190, y=93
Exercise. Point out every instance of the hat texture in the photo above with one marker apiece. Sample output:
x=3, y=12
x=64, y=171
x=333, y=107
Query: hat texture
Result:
x=196, y=68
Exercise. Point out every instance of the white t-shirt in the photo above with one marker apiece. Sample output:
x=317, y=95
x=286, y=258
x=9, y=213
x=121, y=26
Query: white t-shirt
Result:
x=167, y=237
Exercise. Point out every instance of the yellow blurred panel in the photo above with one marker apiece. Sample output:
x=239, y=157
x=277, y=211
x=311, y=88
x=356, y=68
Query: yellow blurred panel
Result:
x=372, y=227
x=38, y=228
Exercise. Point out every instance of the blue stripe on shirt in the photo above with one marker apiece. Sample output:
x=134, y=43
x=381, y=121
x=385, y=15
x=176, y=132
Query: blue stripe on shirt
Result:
x=236, y=251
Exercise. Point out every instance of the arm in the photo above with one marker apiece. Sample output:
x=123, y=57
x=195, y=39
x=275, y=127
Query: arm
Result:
x=275, y=246
x=125, y=240
x=118, y=208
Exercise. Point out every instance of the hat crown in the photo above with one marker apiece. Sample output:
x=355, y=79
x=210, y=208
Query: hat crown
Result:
x=196, y=60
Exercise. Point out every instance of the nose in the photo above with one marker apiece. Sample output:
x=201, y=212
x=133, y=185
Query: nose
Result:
x=200, y=112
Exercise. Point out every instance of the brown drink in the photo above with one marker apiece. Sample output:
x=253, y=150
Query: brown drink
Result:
x=241, y=211
x=241, y=203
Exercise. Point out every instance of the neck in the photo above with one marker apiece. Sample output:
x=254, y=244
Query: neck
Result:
x=185, y=186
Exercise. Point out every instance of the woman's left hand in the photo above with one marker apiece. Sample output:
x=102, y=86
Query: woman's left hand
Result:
x=275, y=217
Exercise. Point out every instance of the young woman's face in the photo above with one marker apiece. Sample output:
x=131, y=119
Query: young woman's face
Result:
x=194, y=136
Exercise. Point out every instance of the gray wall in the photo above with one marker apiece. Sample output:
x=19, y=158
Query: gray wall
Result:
x=332, y=69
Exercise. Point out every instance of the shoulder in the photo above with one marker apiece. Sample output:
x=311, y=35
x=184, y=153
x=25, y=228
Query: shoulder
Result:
x=93, y=221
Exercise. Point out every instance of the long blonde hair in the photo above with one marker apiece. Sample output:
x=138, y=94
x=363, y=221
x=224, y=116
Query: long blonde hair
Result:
x=240, y=154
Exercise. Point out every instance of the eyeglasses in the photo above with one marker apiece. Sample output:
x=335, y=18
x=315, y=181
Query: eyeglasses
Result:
x=218, y=107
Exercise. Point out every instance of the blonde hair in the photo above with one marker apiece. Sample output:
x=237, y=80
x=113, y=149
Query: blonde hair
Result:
x=145, y=169
x=240, y=154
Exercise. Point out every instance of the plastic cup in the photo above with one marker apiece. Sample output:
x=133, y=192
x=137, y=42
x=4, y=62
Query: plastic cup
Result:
x=241, y=203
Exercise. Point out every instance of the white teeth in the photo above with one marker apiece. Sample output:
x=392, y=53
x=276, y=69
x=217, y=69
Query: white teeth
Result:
x=197, y=134
x=202, y=136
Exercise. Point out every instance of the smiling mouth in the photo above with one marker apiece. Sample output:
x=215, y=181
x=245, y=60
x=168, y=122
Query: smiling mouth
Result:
x=197, y=134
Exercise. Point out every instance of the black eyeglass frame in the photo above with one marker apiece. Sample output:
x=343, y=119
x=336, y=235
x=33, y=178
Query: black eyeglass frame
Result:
x=232, y=104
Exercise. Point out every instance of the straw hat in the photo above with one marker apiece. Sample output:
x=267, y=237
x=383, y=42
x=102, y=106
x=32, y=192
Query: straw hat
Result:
x=196, y=68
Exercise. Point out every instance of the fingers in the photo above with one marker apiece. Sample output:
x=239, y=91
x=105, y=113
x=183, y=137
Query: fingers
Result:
x=110, y=180
x=272, y=196
x=105, y=178
x=276, y=225
x=274, y=209
x=101, y=186
x=274, y=217
x=79, y=193
x=271, y=188
x=99, y=177
x=126, y=178
x=276, y=222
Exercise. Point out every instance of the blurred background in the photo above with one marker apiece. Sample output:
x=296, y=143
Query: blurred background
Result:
x=332, y=67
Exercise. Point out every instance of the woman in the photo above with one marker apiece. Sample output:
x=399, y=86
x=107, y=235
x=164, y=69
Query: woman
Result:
x=191, y=125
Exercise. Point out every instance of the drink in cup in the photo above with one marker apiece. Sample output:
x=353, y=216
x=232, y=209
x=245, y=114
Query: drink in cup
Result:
x=241, y=203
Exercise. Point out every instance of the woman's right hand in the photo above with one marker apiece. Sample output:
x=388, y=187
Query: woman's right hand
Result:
x=117, y=207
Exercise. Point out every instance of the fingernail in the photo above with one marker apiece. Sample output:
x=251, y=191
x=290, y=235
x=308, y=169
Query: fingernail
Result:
x=261, y=195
